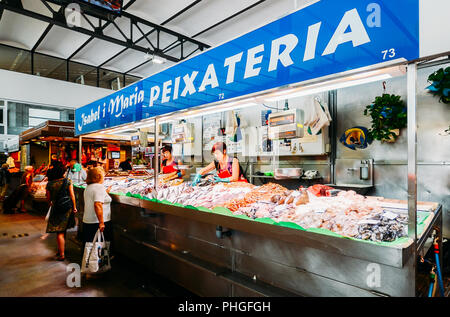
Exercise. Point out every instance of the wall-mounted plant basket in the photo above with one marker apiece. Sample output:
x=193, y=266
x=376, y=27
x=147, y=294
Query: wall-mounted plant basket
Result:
x=388, y=113
x=392, y=137
x=440, y=84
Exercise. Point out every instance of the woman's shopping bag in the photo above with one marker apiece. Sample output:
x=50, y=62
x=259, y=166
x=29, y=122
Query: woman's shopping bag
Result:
x=48, y=214
x=96, y=255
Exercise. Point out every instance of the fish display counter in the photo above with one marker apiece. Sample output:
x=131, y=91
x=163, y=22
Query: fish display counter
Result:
x=238, y=239
x=367, y=124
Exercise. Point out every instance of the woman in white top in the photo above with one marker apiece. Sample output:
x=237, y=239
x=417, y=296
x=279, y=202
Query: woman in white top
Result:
x=97, y=207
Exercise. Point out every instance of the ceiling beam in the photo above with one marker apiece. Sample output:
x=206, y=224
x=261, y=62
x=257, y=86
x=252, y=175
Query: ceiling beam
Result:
x=136, y=67
x=80, y=48
x=181, y=12
x=163, y=29
x=129, y=4
x=171, y=18
x=230, y=17
x=101, y=36
x=111, y=58
x=167, y=49
x=42, y=37
x=163, y=23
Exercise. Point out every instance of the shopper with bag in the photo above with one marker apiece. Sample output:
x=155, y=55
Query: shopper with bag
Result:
x=61, y=197
x=97, y=208
x=25, y=185
x=5, y=180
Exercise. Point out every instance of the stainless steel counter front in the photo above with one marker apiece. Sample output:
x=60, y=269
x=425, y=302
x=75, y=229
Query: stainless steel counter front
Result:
x=218, y=255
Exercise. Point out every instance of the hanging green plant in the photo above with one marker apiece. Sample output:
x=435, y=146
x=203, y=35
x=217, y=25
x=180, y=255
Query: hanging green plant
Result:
x=440, y=84
x=388, y=113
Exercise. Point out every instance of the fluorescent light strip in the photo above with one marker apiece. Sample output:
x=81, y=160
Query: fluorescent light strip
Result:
x=144, y=125
x=202, y=112
x=311, y=90
x=212, y=111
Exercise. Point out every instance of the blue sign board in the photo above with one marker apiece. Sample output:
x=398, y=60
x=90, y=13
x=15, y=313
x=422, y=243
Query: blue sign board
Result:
x=325, y=38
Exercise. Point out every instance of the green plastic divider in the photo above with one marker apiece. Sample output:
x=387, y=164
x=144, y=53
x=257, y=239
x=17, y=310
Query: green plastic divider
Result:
x=222, y=211
x=204, y=209
x=291, y=225
x=325, y=232
x=422, y=216
x=269, y=221
x=119, y=194
x=243, y=217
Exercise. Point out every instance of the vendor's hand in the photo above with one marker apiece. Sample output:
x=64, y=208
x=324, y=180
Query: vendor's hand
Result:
x=217, y=179
x=101, y=227
x=197, y=179
x=109, y=189
x=75, y=210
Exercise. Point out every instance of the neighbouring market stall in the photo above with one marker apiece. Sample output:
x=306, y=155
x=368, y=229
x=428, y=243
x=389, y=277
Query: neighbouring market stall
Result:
x=57, y=140
x=288, y=99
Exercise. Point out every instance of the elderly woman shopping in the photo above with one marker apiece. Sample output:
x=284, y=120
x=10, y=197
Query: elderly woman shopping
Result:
x=97, y=207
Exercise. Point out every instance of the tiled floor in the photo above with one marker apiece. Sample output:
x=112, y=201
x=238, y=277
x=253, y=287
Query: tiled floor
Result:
x=28, y=266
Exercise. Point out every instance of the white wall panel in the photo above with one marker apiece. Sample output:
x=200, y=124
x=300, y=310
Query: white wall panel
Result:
x=39, y=90
x=434, y=27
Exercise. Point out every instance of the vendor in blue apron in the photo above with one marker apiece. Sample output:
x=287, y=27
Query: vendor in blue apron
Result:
x=169, y=165
x=228, y=168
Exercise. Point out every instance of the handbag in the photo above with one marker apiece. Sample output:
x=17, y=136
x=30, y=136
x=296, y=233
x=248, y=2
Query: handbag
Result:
x=96, y=255
x=48, y=214
x=63, y=201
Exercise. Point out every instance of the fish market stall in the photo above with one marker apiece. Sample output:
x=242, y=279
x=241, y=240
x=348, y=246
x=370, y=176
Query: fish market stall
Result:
x=274, y=250
x=308, y=197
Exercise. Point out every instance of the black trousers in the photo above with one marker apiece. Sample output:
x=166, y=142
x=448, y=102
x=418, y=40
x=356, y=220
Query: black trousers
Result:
x=89, y=230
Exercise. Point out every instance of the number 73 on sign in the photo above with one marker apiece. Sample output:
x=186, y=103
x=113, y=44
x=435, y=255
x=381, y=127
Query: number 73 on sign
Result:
x=388, y=53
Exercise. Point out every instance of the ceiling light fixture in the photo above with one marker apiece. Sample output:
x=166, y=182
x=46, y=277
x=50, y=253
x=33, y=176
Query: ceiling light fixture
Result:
x=158, y=60
x=155, y=59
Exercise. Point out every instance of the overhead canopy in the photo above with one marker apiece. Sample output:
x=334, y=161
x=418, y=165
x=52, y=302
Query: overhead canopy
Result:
x=56, y=129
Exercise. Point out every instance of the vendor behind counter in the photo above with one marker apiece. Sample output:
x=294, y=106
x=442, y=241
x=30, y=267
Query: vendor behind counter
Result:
x=228, y=168
x=126, y=165
x=169, y=165
x=76, y=173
